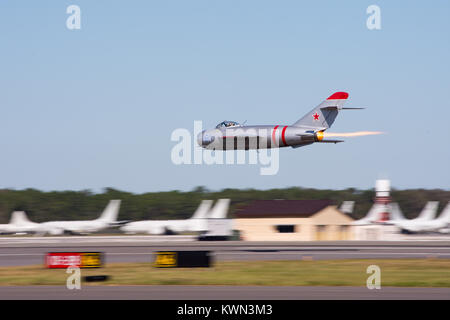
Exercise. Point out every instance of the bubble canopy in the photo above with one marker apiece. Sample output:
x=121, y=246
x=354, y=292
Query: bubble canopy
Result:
x=227, y=124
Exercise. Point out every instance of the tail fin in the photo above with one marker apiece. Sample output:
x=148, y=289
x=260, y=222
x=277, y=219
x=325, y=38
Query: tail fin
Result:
x=19, y=218
x=323, y=116
x=429, y=211
x=395, y=212
x=445, y=214
x=373, y=214
x=111, y=211
x=347, y=207
x=220, y=210
x=202, y=209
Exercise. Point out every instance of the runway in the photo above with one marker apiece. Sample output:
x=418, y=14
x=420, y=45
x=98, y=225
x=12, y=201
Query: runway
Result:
x=220, y=293
x=31, y=251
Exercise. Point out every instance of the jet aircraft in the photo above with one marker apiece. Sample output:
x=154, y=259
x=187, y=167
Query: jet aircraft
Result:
x=197, y=223
x=108, y=218
x=230, y=135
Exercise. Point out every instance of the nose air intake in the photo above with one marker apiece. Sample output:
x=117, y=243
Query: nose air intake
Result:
x=204, y=139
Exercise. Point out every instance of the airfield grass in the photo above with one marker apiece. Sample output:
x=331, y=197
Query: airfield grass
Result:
x=397, y=273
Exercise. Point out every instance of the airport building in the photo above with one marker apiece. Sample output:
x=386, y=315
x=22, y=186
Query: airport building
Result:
x=293, y=220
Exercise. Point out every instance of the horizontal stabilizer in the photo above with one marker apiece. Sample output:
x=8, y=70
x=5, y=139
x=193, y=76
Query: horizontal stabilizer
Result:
x=341, y=108
x=330, y=141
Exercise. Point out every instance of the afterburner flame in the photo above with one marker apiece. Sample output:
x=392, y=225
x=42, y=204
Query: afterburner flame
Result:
x=351, y=134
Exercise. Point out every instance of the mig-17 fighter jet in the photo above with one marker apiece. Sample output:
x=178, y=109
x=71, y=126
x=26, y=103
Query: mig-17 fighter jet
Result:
x=230, y=135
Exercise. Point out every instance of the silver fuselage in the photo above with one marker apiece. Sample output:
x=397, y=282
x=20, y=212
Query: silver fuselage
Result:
x=257, y=137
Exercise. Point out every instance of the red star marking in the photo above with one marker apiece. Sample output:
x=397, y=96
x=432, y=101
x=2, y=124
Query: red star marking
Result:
x=316, y=116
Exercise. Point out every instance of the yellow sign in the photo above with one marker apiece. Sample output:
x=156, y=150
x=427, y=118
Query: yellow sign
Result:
x=91, y=260
x=166, y=259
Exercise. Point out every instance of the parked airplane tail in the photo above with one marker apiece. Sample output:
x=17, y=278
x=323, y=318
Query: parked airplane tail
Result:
x=220, y=210
x=202, y=210
x=111, y=211
x=19, y=218
x=445, y=214
x=373, y=215
x=395, y=212
x=347, y=207
x=429, y=211
x=323, y=116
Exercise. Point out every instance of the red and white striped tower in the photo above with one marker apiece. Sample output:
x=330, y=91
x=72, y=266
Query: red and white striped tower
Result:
x=382, y=197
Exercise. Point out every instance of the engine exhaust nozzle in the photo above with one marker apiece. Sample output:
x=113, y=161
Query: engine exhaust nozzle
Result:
x=318, y=136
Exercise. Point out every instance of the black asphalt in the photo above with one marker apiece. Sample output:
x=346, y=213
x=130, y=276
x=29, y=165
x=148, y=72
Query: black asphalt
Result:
x=30, y=251
x=220, y=293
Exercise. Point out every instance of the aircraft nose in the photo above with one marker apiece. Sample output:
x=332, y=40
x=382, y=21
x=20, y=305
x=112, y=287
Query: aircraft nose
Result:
x=200, y=138
x=203, y=138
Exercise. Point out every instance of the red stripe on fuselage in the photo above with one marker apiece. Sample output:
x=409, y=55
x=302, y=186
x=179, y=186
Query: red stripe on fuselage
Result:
x=273, y=135
x=282, y=135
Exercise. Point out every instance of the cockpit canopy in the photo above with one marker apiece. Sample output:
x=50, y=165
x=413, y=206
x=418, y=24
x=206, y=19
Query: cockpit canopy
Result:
x=227, y=124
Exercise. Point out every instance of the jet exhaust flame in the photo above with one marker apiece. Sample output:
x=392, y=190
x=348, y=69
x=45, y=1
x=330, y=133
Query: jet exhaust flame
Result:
x=351, y=134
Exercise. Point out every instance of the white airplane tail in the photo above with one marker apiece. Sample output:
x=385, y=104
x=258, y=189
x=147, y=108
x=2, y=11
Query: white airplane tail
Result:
x=111, y=211
x=445, y=214
x=395, y=212
x=429, y=211
x=373, y=214
x=202, y=210
x=323, y=116
x=220, y=210
x=19, y=218
x=347, y=207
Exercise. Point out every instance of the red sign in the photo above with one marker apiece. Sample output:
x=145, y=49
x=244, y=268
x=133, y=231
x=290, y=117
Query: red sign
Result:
x=64, y=260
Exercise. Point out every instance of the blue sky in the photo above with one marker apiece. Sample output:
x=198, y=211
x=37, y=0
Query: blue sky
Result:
x=95, y=107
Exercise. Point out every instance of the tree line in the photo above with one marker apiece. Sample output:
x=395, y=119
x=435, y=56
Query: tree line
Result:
x=43, y=206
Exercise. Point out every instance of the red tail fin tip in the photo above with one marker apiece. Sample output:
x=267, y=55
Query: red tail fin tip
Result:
x=338, y=96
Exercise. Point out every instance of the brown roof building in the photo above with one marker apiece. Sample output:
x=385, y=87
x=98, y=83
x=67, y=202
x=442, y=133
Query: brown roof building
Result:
x=283, y=208
x=293, y=220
